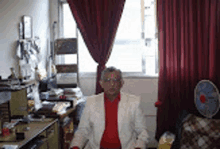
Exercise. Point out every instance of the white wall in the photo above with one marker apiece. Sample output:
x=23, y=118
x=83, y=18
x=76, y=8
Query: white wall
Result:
x=11, y=12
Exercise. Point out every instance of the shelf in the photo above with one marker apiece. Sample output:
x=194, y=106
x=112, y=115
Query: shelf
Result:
x=71, y=68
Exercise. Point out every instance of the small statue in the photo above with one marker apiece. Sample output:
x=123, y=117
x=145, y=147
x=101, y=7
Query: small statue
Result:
x=12, y=76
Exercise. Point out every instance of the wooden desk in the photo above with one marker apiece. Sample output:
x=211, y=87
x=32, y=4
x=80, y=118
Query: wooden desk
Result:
x=47, y=130
x=66, y=128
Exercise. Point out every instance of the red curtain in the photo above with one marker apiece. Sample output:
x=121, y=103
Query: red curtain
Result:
x=98, y=21
x=189, y=46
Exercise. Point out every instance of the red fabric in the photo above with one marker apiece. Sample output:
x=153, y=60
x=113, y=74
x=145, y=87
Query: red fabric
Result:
x=98, y=21
x=158, y=103
x=189, y=47
x=75, y=147
x=110, y=138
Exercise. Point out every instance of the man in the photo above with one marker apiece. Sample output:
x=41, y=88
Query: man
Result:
x=113, y=119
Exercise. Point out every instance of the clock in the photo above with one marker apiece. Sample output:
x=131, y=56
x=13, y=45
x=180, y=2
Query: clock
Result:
x=207, y=98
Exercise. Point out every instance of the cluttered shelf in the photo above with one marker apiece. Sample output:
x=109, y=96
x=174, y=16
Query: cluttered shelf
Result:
x=15, y=84
x=54, y=103
x=59, y=100
x=62, y=104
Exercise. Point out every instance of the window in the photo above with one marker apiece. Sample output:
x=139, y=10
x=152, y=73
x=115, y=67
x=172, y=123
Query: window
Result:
x=135, y=50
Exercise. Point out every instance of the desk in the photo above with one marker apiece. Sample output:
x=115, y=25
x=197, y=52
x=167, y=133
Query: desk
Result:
x=65, y=125
x=47, y=130
x=65, y=120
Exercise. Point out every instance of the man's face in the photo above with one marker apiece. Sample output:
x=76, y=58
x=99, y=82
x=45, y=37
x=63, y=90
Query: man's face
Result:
x=112, y=83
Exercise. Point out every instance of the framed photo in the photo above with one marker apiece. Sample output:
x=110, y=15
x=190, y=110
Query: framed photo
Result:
x=27, y=27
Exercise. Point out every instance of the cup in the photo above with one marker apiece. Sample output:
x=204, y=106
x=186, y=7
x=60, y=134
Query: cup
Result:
x=5, y=129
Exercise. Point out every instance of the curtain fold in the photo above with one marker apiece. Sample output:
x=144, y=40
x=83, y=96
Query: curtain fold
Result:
x=98, y=21
x=189, y=37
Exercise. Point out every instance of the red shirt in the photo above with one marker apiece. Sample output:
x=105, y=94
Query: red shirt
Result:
x=110, y=138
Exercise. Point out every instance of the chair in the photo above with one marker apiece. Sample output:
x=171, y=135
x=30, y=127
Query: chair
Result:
x=194, y=131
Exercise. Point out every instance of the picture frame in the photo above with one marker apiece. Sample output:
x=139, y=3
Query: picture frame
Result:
x=27, y=27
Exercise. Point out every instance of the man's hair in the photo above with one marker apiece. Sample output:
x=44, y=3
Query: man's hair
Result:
x=110, y=69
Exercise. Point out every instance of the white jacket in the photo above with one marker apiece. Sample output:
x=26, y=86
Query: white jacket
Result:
x=131, y=123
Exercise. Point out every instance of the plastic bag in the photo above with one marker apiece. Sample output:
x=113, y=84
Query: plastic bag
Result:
x=166, y=140
x=37, y=101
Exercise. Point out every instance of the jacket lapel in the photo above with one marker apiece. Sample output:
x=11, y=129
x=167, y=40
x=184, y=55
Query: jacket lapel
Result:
x=121, y=111
x=101, y=117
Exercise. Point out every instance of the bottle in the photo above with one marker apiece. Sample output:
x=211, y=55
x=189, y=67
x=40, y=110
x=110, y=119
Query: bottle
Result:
x=37, y=77
x=166, y=140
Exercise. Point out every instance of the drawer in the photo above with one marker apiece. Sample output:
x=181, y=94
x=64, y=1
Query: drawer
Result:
x=50, y=131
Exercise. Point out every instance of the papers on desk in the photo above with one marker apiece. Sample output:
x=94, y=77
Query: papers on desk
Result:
x=61, y=107
x=55, y=92
x=10, y=146
x=73, y=92
x=57, y=107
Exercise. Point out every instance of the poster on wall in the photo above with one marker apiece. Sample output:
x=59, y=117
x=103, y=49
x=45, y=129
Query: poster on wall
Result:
x=27, y=27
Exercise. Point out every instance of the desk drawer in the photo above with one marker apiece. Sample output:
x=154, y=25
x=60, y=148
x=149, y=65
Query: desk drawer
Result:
x=50, y=131
x=52, y=135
